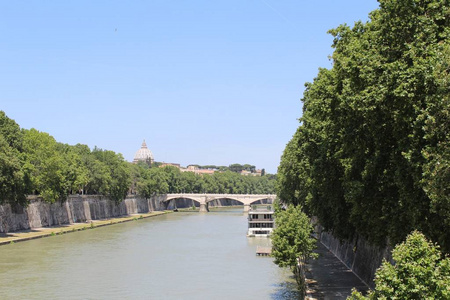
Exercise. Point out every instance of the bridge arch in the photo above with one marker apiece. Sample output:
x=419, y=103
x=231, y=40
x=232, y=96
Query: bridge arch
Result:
x=225, y=198
x=269, y=200
x=167, y=202
x=181, y=197
x=203, y=199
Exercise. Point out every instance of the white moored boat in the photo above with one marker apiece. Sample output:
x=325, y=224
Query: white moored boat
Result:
x=260, y=220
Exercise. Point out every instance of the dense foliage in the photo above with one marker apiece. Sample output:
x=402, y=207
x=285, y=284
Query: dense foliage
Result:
x=372, y=155
x=291, y=238
x=150, y=181
x=13, y=181
x=420, y=272
x=33, y=162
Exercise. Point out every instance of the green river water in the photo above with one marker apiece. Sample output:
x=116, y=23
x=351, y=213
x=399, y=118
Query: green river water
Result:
x=184, y=255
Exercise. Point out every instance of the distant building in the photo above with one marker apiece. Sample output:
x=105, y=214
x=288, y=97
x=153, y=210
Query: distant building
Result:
x=197, y=170
x=258, y=172
x=164, y=164
x=205, y=171
x=144, y=154
x=248, y=173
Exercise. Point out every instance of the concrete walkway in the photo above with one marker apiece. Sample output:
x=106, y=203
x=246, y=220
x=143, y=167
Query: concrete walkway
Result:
x=35, y=233
x=328, y=278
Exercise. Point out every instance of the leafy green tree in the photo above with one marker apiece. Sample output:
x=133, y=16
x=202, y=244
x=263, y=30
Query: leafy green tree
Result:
x=98, y=178
x=249, y=168
x=371, y=153
x=117, y=172
x=191, y=182
x=208, y=167
x=44, y=165
x=291, y=238
x=437, y=151
x=10, y=131
x=14, y=183
x=12, y=178
x=292, y=242
x=173, y=176
x=33, y=162
x=136, y=174
x=209, y=184
x=293, y=172
x=222, y=168
x=420, y=272
x=236, y=168
x=77, y=174
x=153, y=181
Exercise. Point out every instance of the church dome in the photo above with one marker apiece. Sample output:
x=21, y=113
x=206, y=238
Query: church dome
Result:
x=144, y=154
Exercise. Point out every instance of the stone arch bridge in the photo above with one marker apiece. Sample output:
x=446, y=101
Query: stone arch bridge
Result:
x=204, y=199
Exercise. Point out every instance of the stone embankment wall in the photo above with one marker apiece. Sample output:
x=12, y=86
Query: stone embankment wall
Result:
x=75, y=209
x=79, y=209
x=358, y=255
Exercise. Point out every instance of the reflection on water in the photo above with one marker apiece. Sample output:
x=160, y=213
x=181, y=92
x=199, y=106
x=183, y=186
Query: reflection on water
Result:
x=286, y=289
x=175, y=256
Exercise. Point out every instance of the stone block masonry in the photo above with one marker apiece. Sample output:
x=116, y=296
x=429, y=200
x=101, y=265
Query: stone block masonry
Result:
x=85, y=208
x=76, y=209
x=361, y=257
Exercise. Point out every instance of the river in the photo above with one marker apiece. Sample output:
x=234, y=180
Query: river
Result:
x=184, y=255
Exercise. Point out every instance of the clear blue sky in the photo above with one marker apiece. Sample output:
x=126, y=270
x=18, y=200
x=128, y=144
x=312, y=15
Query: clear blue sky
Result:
x=205, y=82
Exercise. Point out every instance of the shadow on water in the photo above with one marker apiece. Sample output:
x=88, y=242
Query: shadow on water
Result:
x=286, y=290
x=232, y=210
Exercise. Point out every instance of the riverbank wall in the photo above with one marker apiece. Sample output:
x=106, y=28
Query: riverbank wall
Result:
x=85, y=208
x=361, y=257
x=76, y=209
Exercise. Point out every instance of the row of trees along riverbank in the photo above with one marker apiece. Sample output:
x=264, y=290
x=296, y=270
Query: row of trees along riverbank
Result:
x=371, y=156
x=33, y=162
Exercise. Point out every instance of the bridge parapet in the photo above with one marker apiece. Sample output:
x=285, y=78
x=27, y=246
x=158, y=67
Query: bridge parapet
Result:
x=204, y=199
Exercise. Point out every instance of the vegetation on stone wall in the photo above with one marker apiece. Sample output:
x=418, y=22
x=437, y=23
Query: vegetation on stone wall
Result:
x=33, y=162
x=372, y=152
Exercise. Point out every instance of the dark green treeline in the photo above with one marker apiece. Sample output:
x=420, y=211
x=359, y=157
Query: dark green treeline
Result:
x=33, y=162
x=372, y=153
x=168, y=179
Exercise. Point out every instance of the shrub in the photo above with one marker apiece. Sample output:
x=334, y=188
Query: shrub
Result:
x=420, y=272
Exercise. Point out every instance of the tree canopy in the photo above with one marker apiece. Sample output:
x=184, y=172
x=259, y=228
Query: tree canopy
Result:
x=291, y=238
x=33, y=162
x=420, y=272
x=13, y=179
x=169, y=179
x=371, y=155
